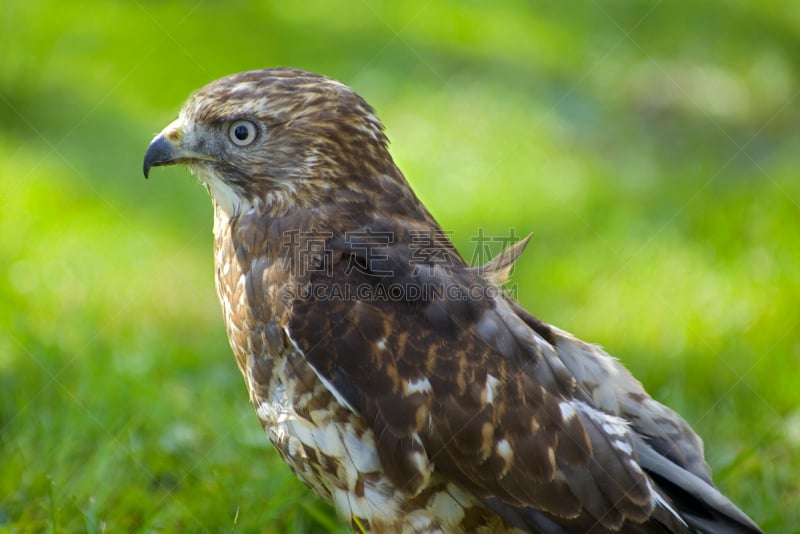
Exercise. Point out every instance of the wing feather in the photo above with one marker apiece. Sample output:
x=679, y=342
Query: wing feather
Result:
x=507, y=407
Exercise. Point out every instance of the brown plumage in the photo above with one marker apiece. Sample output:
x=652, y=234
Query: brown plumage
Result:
x=394, y=379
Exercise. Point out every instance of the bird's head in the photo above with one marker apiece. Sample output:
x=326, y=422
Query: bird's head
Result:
x=277, y=139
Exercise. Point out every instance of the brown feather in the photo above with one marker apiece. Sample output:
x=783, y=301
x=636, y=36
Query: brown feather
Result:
x=394, y=380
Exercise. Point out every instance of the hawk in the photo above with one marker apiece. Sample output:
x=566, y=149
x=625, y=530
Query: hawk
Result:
x=394, y=379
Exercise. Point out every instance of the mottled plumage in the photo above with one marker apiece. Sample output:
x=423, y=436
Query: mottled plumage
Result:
x=394, y=379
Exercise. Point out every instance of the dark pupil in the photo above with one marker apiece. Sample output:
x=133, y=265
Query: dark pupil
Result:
x=241, y=132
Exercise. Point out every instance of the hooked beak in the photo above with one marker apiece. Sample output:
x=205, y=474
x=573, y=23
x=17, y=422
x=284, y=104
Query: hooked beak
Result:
x=168, y=148
x=161, y=151
x=165, y=148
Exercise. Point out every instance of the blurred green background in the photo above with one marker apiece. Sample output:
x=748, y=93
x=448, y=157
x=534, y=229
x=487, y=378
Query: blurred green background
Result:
x=651, y=148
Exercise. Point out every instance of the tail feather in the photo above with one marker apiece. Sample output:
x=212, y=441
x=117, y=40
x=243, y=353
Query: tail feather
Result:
x=700, y=504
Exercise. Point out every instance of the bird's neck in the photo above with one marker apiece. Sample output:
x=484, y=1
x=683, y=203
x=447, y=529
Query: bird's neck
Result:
x=349, y=206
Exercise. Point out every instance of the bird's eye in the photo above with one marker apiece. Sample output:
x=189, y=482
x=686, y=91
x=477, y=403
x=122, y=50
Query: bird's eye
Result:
x=242, y=132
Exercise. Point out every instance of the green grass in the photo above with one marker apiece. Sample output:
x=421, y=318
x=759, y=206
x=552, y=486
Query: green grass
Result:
x=651, y=147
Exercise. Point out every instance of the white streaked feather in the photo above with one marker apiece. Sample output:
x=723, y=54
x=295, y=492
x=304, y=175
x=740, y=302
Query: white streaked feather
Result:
x=420, y=385
x=327, y=383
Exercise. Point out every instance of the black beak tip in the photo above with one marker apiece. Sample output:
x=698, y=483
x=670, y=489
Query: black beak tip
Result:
x=160, y=152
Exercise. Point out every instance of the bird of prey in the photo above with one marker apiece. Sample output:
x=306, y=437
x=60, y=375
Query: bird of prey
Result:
x=394, y=379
